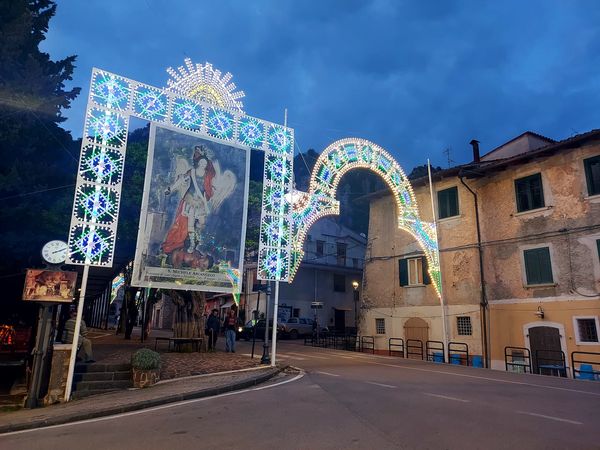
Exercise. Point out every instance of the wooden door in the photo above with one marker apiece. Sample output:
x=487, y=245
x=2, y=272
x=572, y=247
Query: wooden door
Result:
x=416, y=328
x=340, y=320
x=545, y=346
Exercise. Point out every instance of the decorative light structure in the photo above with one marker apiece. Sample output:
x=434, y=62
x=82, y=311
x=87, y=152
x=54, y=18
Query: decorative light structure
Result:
x=201, y=82
x=319, y=201
x=198, y=99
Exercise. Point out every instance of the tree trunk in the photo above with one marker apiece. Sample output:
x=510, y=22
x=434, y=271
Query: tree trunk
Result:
x=189, y=317
x=153, y=297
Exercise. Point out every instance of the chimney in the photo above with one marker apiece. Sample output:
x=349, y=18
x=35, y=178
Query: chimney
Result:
x=475, y=144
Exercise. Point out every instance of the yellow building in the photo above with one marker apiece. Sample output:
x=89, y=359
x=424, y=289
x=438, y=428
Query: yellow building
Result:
x=525, y=220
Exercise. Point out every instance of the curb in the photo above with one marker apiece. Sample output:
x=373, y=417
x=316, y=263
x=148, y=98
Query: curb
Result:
x=144, y=404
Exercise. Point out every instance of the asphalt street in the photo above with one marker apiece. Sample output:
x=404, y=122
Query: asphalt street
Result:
x=341, y=400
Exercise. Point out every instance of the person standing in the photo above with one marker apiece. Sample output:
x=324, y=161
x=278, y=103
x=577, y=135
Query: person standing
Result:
x=69, y=332
x=229, y=324
x=213, y=327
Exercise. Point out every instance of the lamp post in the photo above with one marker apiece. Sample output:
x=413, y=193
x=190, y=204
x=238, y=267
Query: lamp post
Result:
x=356, y=297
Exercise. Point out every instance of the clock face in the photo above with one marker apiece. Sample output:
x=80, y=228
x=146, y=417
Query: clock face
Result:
x=55, y=252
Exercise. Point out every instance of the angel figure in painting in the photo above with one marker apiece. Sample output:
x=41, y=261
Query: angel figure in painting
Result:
x=204, y=189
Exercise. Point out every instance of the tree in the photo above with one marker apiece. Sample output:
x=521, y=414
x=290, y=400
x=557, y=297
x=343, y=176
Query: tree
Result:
x=38, y=158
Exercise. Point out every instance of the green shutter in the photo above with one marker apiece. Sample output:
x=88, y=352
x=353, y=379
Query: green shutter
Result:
x=426, y=278
x=592, y=175
x=403, y=269
x=448, y=203
x=538, y=267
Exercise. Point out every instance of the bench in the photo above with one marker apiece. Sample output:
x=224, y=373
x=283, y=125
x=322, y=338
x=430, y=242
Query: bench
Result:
x=179, y=342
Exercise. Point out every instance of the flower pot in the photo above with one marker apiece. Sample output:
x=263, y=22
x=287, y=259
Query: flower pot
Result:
x=145, y=378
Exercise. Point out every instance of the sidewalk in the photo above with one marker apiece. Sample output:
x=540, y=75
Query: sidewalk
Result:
x=164, y=392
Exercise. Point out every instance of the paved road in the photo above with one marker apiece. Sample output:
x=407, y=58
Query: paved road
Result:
x=348, y=400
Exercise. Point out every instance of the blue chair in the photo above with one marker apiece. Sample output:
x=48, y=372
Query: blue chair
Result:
x=477, y=361
x=438, y=357
x=586, y=372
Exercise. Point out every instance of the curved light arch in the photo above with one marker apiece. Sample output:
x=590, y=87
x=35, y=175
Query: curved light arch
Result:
x=339, y=158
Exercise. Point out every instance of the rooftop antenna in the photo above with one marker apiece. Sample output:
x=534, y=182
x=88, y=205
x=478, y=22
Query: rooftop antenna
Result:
x=446, y=152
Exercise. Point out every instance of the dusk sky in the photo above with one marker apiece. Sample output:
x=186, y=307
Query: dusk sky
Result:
x=415, y=77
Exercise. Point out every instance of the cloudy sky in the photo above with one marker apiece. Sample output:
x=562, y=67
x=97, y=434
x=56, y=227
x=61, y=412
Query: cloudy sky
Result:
x=416, y=77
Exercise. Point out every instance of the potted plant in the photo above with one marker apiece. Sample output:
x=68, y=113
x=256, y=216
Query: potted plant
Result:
x=145, y=365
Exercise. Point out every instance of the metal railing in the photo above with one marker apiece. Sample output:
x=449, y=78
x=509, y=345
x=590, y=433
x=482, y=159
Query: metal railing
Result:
x=434, y=351
x=458, y=352
x=589, y=365
x=517, y=359
x=396, y=343
x=367, y=343
x=550, y=362
x=414, y=347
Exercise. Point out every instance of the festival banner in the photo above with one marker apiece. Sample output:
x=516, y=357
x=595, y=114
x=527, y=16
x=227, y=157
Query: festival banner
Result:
x=43, y=285
x=193, y=218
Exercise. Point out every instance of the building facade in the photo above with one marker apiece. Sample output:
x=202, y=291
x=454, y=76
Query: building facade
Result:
x=519, y=237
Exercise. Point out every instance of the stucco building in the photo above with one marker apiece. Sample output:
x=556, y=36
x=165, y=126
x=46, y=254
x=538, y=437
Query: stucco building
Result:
x=519, y=237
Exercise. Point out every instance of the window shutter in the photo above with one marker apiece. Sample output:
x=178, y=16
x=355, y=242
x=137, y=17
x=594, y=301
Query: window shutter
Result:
x=403, y=269
x=598, y=245
x=426, y=278
x=538, y=267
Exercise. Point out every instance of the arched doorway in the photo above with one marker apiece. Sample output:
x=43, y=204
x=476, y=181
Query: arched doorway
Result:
x=416, y=328
x=546, y=343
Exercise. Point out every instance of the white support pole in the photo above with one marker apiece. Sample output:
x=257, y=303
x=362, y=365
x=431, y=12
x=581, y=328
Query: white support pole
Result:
x=84, y=280
x=276, y=302
x=274, y=336
x=437, y=241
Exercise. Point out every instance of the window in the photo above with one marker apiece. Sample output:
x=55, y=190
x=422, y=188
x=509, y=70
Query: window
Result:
x=538, y=267
x=463, y=325
x=341, y=253
x=448, y=203
x=380, y=326
x=587, y=329
x=598, y=246
x=413, y=271
x=303, y=321
x=320, y=245
x=530, y=193
x=339, y=283
x=296, y=312
x=592, y=174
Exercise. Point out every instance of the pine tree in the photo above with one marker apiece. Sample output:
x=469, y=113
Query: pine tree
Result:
x=37, y=157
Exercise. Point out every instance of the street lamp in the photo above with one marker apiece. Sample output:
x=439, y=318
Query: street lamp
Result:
x=355, y=287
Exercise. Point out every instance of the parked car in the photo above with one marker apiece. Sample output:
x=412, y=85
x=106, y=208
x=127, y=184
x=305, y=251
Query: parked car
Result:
x=249, y=329
x=300, y=326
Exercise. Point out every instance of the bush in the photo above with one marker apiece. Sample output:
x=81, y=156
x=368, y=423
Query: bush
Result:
x=145, y=359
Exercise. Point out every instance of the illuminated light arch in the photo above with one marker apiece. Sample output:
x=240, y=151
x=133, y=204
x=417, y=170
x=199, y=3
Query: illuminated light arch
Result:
x=319, y=201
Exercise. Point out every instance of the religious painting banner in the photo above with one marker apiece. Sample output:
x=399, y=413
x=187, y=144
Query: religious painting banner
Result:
x=193, y=218
x=43, y=285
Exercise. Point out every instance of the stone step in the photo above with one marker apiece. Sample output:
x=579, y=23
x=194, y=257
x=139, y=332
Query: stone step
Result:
x=102, y=376
x=102, y=385
x=102, y=367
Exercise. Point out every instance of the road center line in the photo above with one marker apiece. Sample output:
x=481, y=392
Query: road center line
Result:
x=327, y=373
x=389, y=386
x=543, y=416
x=447, y=397
x=489, y=379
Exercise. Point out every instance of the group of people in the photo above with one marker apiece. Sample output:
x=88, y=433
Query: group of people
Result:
x=214, y=326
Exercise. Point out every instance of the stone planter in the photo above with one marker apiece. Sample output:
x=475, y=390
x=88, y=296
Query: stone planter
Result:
x=145, y=378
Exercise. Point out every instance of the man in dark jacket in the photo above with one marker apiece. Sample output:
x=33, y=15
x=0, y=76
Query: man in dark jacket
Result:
x=213, y=326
